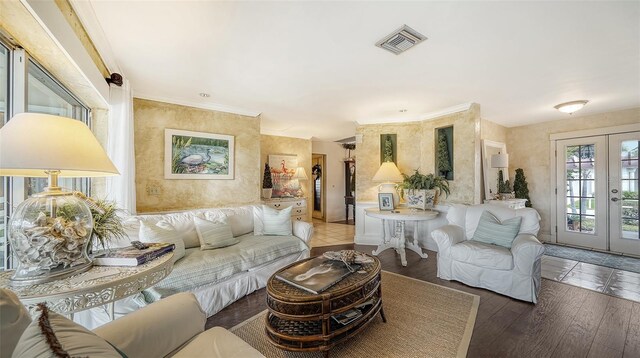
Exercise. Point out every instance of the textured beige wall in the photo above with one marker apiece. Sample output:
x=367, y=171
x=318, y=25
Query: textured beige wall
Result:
x=270, y=144
x=493, y=131
x=151, y=118
x=416, y=150
x=528, y=148
x=100, y=128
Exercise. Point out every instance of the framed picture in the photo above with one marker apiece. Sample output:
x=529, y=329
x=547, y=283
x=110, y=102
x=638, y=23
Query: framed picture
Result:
x=198, y=155
x=385, y=201
x=283, y=167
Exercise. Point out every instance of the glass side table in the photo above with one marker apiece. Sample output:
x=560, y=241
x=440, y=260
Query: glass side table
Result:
x=101, y=285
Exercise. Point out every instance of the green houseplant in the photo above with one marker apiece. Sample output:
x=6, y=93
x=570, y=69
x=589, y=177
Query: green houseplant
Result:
x=267, y=183
x=423, y=190
x=521, y=187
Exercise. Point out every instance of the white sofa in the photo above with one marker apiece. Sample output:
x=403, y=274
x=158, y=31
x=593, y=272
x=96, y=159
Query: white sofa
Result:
x=216, y=277
x=513, y=272
x=170, y=327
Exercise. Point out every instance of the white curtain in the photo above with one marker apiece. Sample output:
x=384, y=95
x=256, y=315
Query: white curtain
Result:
x=122, y=188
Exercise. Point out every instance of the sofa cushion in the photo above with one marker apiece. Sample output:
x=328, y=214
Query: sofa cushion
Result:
x=240, y=219
x=183, y=222
x=14, y=319
x=276, y=222
x=483, y=255
x=490, y=230
x=70, y=338
x=217, y=342
x=456, y=214
x=151, y=233
x=199, y=268
x=214, y=235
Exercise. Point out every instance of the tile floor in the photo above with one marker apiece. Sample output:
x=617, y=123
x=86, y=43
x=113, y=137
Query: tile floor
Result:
x=327, y=234
x=607, y=280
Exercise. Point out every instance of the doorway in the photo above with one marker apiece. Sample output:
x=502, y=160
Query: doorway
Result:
x=318, y=186
x=597, y=192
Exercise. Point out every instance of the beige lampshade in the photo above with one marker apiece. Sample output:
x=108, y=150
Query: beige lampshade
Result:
x=300, y=174
x=32, y=143
x=388, y=173
x=500, y=160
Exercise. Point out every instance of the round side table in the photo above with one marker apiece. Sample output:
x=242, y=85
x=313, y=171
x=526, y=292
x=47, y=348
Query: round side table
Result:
x=96, y=287
x=398, y=240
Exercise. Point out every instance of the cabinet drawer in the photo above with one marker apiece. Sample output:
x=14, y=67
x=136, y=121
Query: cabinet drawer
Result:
x=298, y=211
x=299, y=218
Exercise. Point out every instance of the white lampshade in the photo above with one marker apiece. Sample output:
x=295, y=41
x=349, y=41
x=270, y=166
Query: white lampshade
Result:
x=300, y=174
x=32, y=143
x=388, y=173
x=500, y=160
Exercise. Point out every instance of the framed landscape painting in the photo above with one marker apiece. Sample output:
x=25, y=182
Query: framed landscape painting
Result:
x=198, y=155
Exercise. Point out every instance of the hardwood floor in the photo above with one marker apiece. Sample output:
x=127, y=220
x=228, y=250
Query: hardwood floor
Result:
x=568, y=321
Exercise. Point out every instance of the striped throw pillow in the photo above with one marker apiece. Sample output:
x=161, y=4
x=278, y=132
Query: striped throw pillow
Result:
x=214, y=235
x=152, y=234
x=276, y=222
x=491, y=231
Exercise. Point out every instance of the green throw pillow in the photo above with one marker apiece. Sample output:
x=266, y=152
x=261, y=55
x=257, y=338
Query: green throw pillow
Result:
x=491, y=231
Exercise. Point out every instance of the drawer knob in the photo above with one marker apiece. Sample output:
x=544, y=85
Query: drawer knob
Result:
x=277, y=205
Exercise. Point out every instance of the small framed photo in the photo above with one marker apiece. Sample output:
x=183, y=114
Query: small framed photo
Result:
x=385, y=201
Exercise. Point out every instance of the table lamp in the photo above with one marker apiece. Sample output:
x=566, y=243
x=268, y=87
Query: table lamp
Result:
x=389, y=174
x=300, y=174
x=50, y=231
x=500, y=160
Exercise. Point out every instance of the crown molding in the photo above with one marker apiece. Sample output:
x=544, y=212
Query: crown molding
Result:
x=188, y=103
x=422, y=117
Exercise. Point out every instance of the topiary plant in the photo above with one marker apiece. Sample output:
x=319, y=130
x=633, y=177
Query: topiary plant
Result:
x=521, y=187
x=267, y=183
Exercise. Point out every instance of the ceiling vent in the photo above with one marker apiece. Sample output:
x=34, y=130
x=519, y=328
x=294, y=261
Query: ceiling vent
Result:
x=401, y=40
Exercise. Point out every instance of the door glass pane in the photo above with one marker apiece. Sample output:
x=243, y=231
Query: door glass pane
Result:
x=629, y=188
x=4, y=100
x=580, y=188
x=45, y=95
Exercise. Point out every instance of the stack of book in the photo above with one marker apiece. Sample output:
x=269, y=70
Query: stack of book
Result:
x=132, y=256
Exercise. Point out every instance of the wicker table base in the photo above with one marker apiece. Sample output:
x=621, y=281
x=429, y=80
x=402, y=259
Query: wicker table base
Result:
x=301, y=321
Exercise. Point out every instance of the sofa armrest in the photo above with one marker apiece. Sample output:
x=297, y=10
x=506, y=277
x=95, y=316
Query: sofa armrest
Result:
x=447, y=236
x=526, y=250
x=304, y=231
x=158, y=329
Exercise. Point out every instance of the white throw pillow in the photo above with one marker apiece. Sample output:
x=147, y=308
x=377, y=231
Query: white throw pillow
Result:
x=14, y=319
x=72, y=338
x=153, y=234
x=214, y=235
x=258, y=224
x=276, y=222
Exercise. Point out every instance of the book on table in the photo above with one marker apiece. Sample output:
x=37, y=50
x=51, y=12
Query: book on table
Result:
x=316, y=275
x=132, y=256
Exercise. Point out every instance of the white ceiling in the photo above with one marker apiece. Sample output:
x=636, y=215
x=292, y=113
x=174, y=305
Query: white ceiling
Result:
x=312, y=70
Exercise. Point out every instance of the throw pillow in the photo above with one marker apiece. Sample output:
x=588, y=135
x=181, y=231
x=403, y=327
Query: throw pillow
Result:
x=258, y=222
x=53, y=335
x=214, y=235
x=491, y=231
x=152, y=233
x=14, y=319
x=276, y=222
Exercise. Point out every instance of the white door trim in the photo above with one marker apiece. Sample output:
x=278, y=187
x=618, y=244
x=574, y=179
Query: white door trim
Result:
x=595, y=132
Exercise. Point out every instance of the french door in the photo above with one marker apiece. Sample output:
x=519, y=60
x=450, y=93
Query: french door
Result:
x=597, y=192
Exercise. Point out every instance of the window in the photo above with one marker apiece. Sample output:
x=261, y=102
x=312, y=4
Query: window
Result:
x=4, y=113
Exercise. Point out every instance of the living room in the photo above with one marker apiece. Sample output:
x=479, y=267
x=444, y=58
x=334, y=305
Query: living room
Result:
x=399, y=130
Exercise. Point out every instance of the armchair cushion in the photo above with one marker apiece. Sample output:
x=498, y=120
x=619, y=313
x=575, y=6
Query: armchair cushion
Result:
x=482, y=255
x=217, y=342
x=492, y=231
x=14, y=319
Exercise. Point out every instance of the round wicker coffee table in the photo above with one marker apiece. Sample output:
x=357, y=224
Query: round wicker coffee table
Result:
x=302, y=321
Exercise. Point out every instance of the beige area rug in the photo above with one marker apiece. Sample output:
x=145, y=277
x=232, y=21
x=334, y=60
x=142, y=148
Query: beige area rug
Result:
x=423, y=320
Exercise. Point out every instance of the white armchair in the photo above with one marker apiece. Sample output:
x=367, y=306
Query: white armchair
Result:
x=513, y=272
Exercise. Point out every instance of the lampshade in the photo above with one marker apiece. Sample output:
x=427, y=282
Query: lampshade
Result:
x=32, y=143
x=300, y=174
x=500, y=160
x=388, y=173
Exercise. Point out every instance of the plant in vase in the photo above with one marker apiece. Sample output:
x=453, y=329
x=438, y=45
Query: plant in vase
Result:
x=422, y=190
x=267, y=183
x=521, y=187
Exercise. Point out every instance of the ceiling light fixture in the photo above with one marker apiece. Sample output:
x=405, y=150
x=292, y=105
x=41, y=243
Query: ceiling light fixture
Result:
x=204, y=95
x=570, y=107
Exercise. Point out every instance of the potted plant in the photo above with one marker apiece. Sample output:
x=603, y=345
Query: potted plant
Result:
x=422, y=190
x=267, y=183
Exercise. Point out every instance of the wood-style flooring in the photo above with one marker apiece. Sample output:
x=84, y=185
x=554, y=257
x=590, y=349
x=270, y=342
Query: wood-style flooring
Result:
x=568, y=321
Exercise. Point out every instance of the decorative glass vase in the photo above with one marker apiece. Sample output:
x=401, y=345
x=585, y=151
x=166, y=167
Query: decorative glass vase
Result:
x=49, y=234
